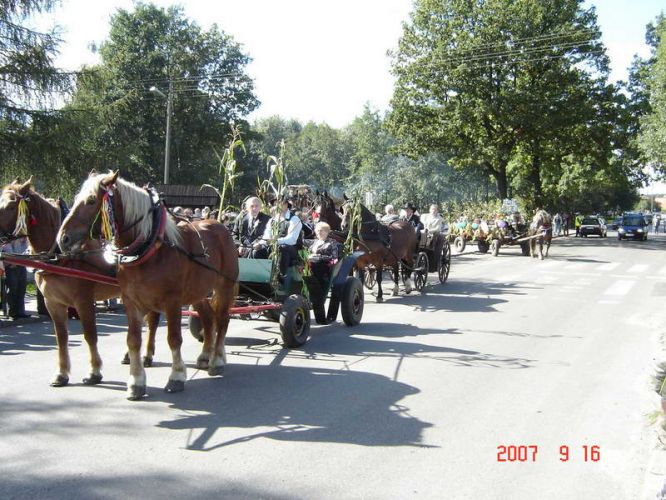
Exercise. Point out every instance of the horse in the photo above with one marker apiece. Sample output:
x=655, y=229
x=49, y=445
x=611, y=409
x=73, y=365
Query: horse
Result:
x=327, y=211
x=374, y=238
x=541, y=229
x=40, y=220
x=163, y=266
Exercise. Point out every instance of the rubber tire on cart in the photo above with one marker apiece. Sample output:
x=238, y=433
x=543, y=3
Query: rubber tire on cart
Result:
x=444, y=262
x=495, y=247
x=459, y=244
x=194, y=325
x=525, y=248
x=295, y=321
x=352, y=301
x=421, y=271
x=483, y=246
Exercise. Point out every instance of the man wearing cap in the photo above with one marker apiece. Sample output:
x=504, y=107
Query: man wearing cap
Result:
x=411, y=217
x=288, y=226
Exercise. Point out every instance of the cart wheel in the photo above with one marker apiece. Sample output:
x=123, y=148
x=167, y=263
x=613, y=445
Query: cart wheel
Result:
x=483, y=246
x=525, y=248
x=421, y=271
x=295, y=321
x=459, y=244
x=495, y=248
x=194, y=324
x=444, y=262
x=352, y=302
x=370, y=277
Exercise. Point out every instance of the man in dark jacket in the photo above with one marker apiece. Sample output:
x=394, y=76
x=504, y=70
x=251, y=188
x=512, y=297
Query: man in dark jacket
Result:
x=412, y=218
x=249, y=230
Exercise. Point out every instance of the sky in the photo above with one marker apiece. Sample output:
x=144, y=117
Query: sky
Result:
x=321, y=60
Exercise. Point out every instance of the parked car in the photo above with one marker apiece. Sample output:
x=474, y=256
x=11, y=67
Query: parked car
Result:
x=593, y=225
x=633, y=226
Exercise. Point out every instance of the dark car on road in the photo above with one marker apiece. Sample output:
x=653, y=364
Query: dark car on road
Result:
x=633, y=226
x=615, y=224
x=593, y=225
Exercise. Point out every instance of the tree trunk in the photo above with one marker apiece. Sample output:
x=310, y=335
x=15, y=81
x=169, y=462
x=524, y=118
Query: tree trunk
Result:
x=501, y=179
x=535, y=177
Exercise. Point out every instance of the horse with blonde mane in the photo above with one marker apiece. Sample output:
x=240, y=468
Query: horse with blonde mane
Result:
x=26, y=213
x=541, y=230
x=163, y=266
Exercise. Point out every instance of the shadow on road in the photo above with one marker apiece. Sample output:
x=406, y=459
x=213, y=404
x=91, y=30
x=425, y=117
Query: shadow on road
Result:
x=293, y=404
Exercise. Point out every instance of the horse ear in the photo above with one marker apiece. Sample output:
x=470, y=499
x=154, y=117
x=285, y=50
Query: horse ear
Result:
x=110, y=179
x=92, y=173
x=316, y=192
x=25, y=186
x=344, y=195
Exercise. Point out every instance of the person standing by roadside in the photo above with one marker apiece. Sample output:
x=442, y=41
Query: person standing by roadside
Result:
x=557, y=221
x=577, y=223
x=16, y=279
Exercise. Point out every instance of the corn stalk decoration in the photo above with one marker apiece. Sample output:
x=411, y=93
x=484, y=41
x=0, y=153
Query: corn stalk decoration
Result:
x=355, y=225
x=228, y=170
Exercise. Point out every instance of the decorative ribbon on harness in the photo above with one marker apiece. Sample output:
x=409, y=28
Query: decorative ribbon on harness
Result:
x=107, y=219
x=22, y=217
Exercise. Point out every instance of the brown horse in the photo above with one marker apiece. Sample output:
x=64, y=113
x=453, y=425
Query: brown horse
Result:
x=39, y=221
x=542, y=230
x=165, y=266
x=401, y=250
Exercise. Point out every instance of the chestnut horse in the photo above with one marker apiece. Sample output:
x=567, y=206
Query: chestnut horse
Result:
x=39, y=221
x=542, y=230
x=378, y=251
x=165, y=266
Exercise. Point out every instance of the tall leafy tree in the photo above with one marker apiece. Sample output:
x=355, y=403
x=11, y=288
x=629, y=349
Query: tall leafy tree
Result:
x=124, y=120
x=652, y=139
x=481, y=80
x=28, y=80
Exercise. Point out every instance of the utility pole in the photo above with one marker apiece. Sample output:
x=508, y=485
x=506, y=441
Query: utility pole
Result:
x=167, y=142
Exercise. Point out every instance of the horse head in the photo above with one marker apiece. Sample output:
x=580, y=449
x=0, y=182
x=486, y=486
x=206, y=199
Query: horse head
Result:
x=14, y=211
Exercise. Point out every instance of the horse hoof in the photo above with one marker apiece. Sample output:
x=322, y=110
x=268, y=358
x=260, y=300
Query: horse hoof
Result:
x=380, y=299
x=147, y=361
x=59, y=381
x=92, y=379
x=408, y=291
x=125, y=360
x=215, y=371
x=136, y=392
x=175, y=386
x=202, y=363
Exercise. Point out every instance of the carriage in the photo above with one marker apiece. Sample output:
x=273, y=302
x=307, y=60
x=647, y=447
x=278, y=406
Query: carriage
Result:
x=433, y=255
x=511, y=235
x=261, y=297
x=480, y=232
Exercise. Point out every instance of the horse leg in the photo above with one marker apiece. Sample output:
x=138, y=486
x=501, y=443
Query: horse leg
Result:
x=406, y=276
x=222, y=302
x=378, y=273
x=136, y=385
x=58, y=314
x=178, y=374
x=396, y=279
x=540, y=248
x=206, y=316
x=86, y=310
x=153, y=321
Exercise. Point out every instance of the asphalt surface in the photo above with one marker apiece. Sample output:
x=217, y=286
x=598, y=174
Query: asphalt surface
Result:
x=417, y=401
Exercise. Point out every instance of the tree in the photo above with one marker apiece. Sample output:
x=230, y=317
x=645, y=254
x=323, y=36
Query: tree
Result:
x=122, y=122
x=27, y=81
x=652, y=137
x=485, y=81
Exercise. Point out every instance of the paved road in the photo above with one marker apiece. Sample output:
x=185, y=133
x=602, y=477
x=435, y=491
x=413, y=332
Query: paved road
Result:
x=413, y=402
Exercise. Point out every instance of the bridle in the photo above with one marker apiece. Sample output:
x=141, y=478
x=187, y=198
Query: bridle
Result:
x=23, y=219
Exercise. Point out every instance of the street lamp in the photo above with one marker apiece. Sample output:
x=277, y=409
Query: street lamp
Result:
x=167, y=145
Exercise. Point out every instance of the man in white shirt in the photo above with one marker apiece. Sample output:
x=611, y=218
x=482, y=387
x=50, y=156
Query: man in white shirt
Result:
x=432, y=221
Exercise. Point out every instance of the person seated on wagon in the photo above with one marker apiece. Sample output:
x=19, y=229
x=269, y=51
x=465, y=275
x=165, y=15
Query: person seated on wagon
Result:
x=249, y=230
x=389, y=214
x=288, y=229
x=323, y=254
x=412, y=217
x=432, y=221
